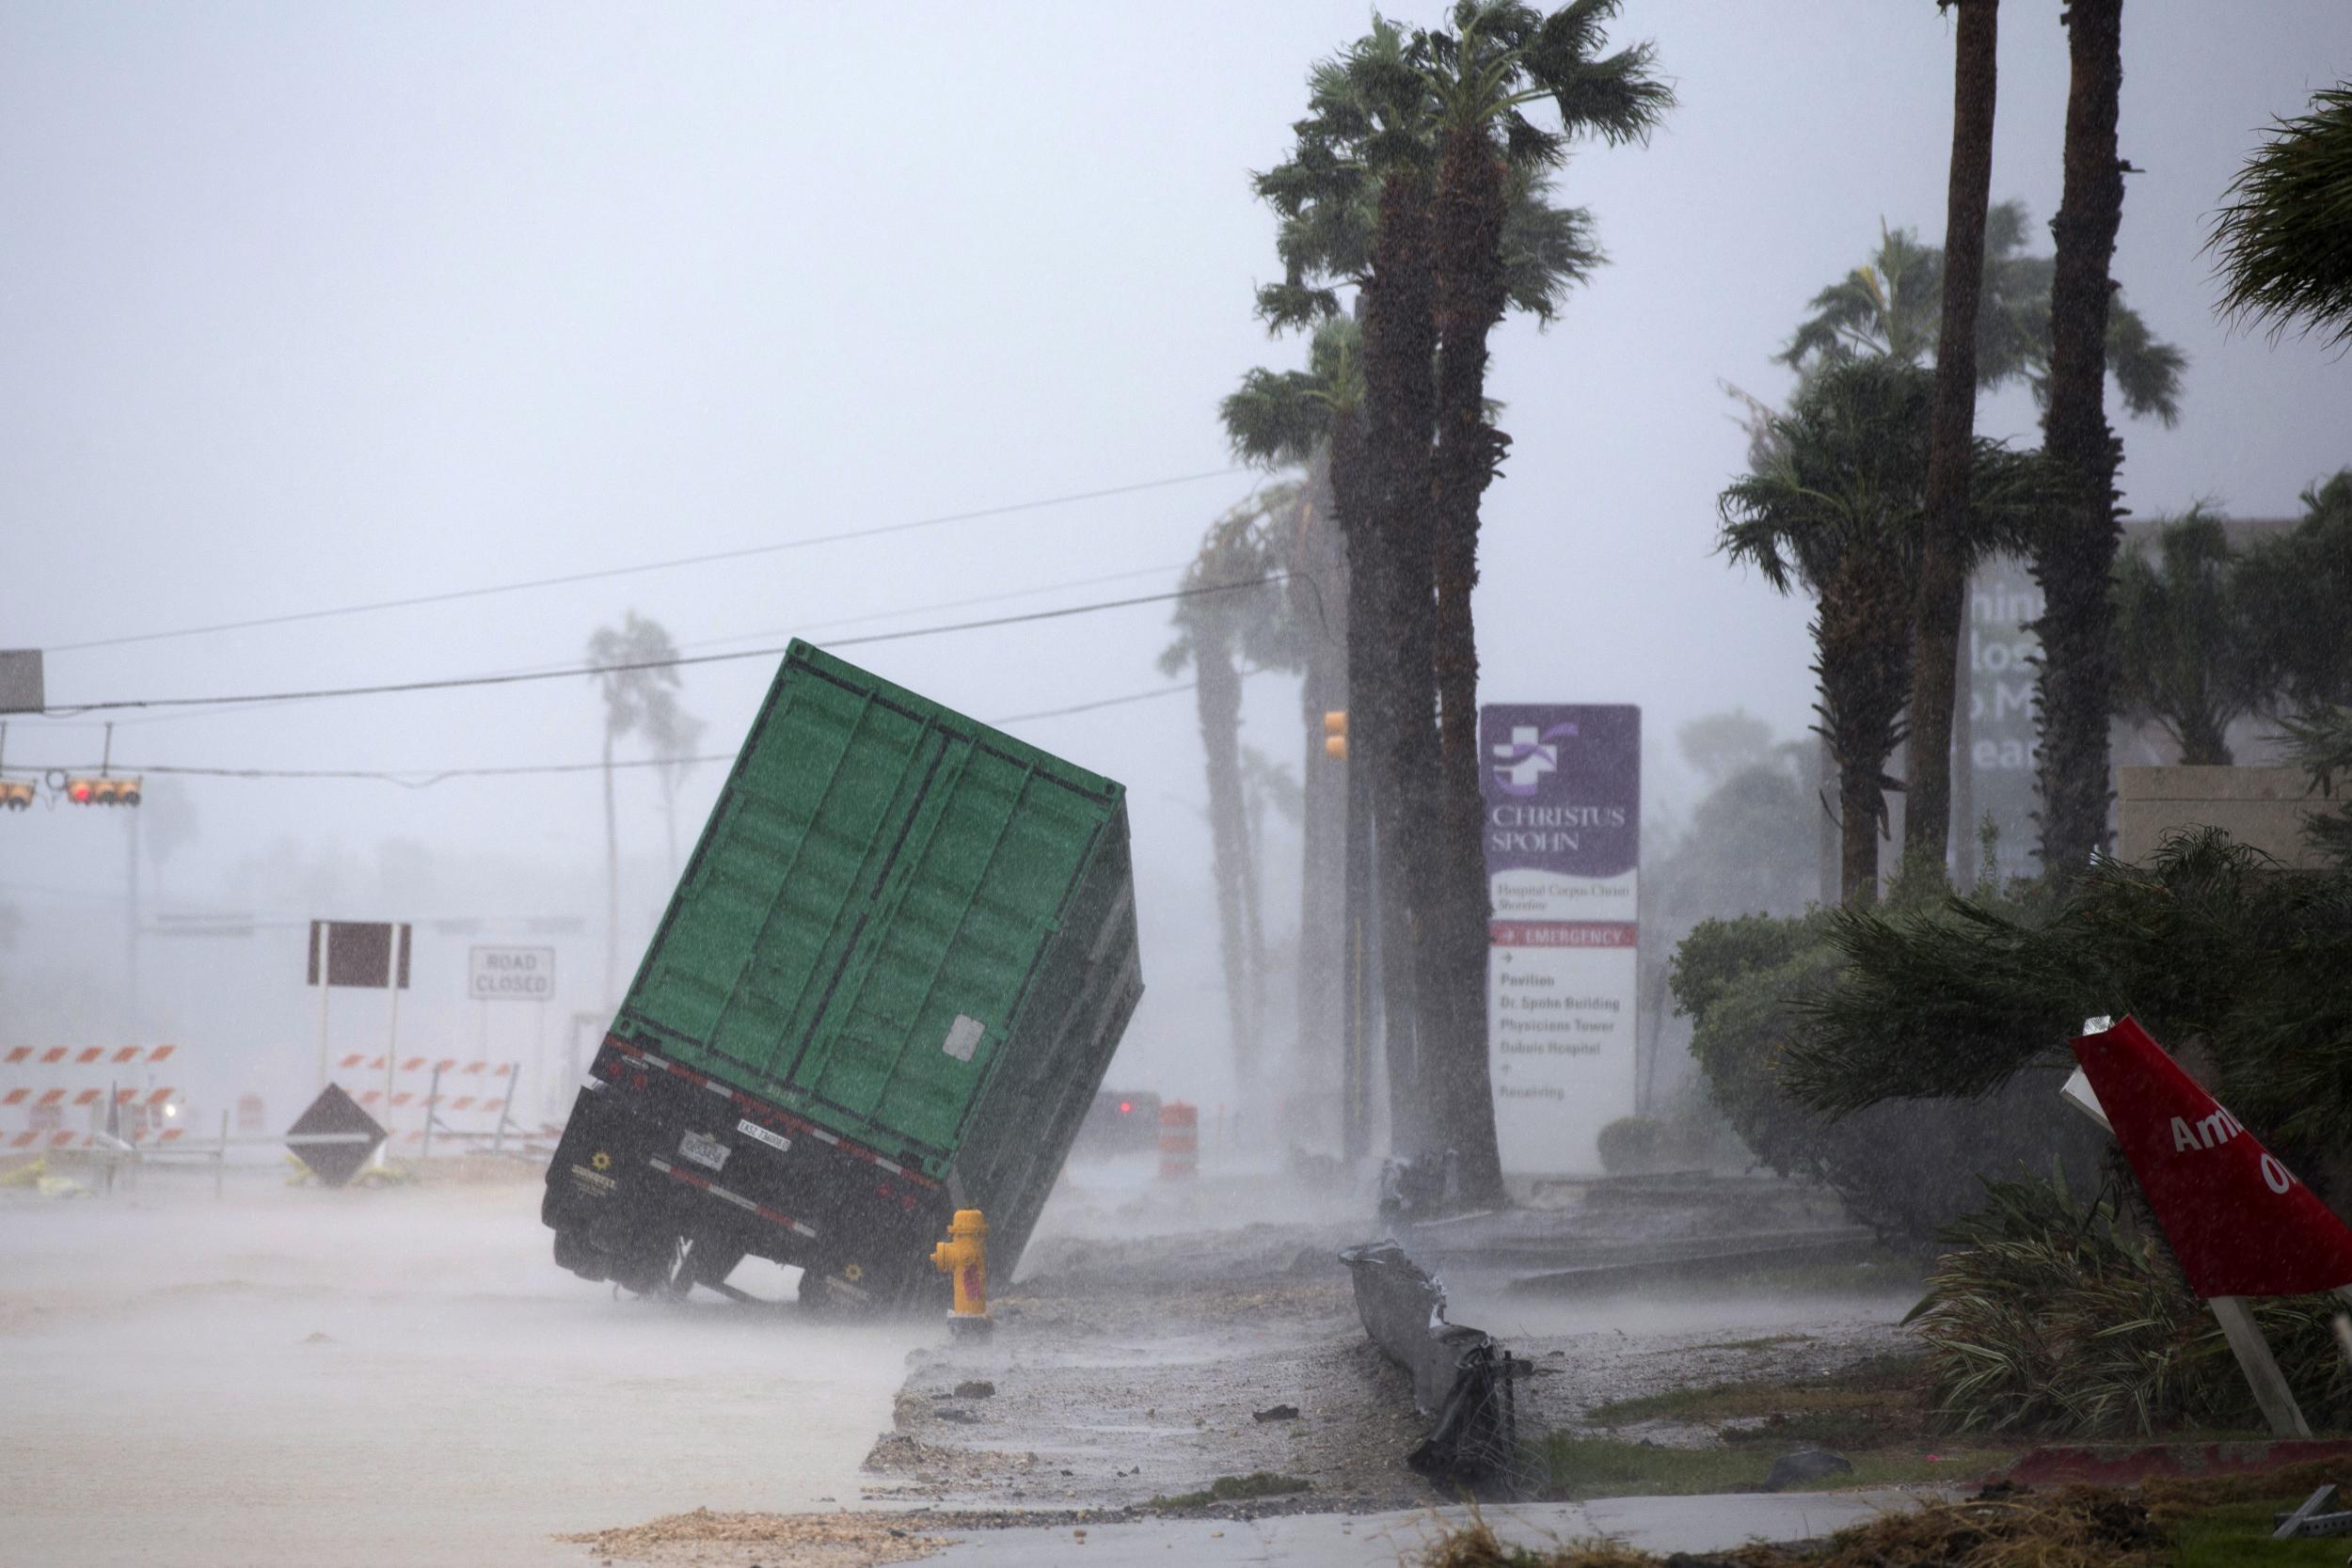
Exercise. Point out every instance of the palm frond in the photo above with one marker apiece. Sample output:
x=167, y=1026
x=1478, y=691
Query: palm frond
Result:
x=2285, y=239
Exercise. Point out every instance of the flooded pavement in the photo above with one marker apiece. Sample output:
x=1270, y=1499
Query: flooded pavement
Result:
x=399, y=1377
x=1137, y=1350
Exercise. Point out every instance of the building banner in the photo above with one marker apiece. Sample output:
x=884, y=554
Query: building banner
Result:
x=1562, y=786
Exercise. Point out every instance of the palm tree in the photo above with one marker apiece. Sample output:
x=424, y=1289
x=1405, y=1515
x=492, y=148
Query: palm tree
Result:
x=2296, y=584
x=1313, y=417
x=1838, y=515
x=1893, y=304
x=2075, y=554
x=2188, y=654
x=1942, y=579
x=2286, y=240
x=1500, y=57
x=632, y=665
x=1239, y=617
x=673, y=734
x=1354, y=200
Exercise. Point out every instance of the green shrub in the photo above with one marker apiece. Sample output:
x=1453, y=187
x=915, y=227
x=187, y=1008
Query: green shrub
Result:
x=2235, y=967
x=1634, y=1144
x=2054, y=1317
x=1905, y=1168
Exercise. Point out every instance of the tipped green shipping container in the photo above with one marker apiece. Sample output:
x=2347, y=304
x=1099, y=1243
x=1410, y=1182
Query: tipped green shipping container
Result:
x=901, y=956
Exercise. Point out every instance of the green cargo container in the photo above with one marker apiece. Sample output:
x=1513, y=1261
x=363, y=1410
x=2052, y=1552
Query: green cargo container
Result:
x=908, y=936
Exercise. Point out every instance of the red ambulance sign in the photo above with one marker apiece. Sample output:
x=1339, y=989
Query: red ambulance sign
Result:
x=2238, y=1218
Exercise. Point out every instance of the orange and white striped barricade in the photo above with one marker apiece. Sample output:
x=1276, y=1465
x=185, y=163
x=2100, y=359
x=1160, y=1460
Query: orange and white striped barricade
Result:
x=1179, y=1141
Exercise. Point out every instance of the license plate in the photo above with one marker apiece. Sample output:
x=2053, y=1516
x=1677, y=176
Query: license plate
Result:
x=705, y=1151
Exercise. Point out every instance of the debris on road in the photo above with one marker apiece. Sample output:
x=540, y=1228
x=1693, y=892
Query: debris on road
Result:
x=776, y=1540
x=1461, y=1377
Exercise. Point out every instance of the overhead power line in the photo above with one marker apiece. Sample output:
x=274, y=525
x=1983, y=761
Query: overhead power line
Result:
x=415, y=777
x=680, y=661
x=564, y=579
x=807, y=630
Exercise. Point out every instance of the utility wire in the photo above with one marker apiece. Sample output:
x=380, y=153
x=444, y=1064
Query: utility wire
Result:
x=803, y=630
x=747, y=551
x=574, y=671
x=425, y=778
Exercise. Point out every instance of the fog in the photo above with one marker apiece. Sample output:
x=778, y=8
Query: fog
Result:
x=315, y=306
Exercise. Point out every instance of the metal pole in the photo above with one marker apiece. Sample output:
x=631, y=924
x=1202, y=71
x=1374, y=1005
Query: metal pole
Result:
x=1356, y=1005
x=131, y=921
x=220, y=1159
x=506, y=1106
x=432, y=1098
x=392, y=1031
x=2260, y=1367
x=326, y=975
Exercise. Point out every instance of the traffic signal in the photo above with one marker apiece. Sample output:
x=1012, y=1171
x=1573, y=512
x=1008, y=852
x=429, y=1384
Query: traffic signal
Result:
x=16, y=794
x=1335, y=734
x=104, y=790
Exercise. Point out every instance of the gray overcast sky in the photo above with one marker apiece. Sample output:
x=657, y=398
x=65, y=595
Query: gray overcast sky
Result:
x=308, y=305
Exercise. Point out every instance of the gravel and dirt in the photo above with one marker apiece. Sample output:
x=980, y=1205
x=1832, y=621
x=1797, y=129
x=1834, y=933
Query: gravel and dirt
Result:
x=1141, y=1354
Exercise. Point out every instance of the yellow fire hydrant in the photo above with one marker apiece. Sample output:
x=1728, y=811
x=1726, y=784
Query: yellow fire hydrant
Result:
x=964, y=1255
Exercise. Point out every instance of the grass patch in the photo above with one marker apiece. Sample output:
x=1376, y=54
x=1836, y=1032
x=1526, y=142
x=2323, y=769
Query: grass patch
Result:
x=1582, y=1468
x=1863, y=1407
x=1872, y=1414
x=1234, y=1489
x=2225, y=1521
x=2237, y=1535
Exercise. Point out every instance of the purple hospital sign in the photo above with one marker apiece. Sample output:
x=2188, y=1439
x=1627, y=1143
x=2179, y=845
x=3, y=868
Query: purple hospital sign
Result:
x=1562, y=788
x=1563, y=794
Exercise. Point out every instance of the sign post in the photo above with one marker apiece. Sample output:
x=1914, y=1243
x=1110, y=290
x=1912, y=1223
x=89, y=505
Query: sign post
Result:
x=321, y=963
x=1562, y=787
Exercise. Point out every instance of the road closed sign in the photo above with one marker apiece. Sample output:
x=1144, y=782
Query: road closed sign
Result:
x=511, y=975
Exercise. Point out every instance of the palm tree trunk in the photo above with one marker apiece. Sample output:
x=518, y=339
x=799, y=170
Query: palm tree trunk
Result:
x=1387, y=929
x=2077, y=554
x=611, y=882
x=1218, y=698
x=1470, y=295
x=1943, y=559
x=1829, y=841
x=2204, y=739
x=1362, y=1017
x=1321, y=1067
x=1400, y=345
x=1859, y=793
x=1965, y=853
x=1253, y=909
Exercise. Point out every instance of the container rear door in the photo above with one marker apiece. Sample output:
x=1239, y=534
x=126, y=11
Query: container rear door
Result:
x=990, y=856
x=783, y=879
